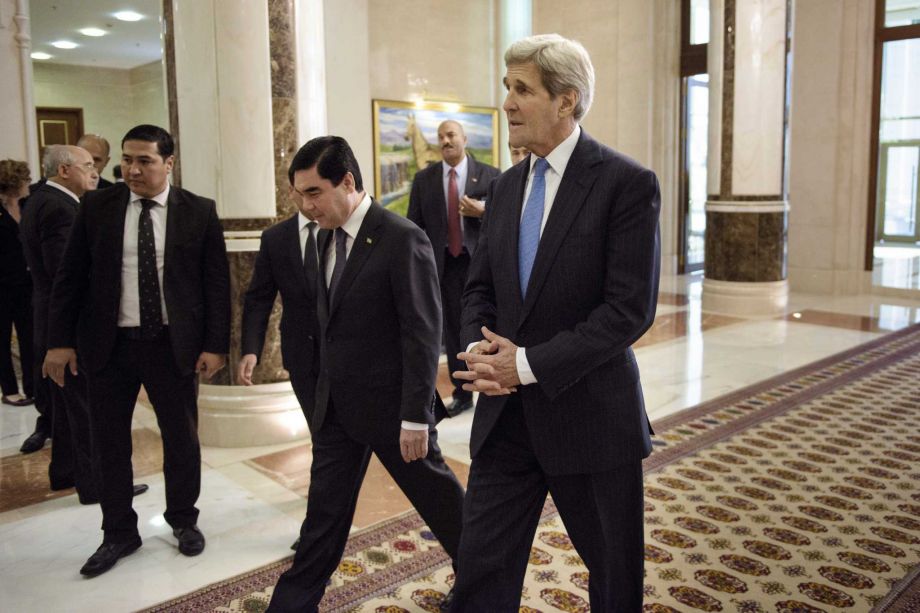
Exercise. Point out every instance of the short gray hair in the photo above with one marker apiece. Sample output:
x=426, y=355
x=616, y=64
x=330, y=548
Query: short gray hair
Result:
x=563, y=64
x=55, y=155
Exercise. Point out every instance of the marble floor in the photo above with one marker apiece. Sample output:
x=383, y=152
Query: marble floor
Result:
x=252, y=499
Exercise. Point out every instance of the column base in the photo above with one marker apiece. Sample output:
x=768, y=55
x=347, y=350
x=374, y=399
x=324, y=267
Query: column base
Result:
x=747, y=299
x=249, y=416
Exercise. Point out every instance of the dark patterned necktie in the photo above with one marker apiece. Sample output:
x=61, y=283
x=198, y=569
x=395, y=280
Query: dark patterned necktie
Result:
x=339, y=266
x=310, y=265
x=148, y=281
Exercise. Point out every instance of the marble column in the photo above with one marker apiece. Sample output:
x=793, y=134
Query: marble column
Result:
x=747, y=205
x=231, y=78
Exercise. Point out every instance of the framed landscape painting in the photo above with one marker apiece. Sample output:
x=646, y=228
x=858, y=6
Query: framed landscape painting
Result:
x=406, y=140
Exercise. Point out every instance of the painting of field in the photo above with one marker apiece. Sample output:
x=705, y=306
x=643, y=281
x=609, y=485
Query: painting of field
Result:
x=406, y=140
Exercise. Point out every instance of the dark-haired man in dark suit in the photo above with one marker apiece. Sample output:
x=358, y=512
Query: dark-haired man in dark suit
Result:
x=144, y=292
x=379, y=338
x=564, y=280
x=447, y=202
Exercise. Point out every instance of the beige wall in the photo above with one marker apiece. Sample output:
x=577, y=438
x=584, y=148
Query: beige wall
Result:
x=437, y=50
x=634, y=45
x=113, y=101
x=829, y=144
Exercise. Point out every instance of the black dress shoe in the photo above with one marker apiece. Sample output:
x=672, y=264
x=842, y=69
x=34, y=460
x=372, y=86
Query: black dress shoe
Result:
x=106, y=556
x=35, y=442
x=445, y=604
x=20, y=402
x=459, y=405
x=140, y=488
x=191, y=540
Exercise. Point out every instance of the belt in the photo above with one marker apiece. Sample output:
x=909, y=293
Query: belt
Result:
x=134, y=333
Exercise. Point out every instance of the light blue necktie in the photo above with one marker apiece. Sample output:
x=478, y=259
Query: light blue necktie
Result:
x=531, y=220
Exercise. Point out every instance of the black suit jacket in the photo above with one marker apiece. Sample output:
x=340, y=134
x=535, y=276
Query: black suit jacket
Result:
x=196, y=280
x=381, y=336
x=592, y=293
x=428, y=206
x=13, y=268
x=104, y=183
x=46, y=222
x=279, y=268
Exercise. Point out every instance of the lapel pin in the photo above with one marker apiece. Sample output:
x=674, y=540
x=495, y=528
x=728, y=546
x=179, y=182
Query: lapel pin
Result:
x=369, y=240
x=475, y=180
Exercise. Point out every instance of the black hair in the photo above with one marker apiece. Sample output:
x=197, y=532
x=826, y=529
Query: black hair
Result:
x=332, y=157
x=152, y=134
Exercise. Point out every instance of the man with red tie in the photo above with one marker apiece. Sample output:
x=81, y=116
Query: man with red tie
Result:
x=447, y=202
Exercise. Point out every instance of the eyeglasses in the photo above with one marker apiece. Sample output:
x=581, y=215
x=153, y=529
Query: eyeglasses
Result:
x=87, y=166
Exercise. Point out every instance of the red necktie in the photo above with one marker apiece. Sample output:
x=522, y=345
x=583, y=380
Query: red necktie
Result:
x=454, y=235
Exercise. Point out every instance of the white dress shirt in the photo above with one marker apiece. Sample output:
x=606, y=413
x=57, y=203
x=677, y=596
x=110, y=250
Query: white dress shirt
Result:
x=129, y=313
x=351, y=227
x=57, y=185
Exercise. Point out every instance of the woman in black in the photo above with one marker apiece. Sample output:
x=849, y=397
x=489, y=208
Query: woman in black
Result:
x=15, y=286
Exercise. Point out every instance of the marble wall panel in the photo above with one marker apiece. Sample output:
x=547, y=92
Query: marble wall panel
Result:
x=759, y=88
x=746, y=247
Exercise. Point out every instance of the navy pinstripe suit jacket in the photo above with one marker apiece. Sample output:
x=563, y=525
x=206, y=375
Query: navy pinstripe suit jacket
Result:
x=592, y=293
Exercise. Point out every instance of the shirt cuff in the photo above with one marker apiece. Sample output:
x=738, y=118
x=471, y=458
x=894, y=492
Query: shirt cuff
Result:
x=411, y=425
x=525, y=374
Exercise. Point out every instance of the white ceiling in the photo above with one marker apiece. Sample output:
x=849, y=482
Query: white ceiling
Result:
x=127, y=44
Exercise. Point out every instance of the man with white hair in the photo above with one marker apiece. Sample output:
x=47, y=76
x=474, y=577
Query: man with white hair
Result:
x=46, y=222
x=564, y=280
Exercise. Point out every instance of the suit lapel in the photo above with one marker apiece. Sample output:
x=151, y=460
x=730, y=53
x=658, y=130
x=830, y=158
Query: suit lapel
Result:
x=514, y=223
x=440, y=201
x=570, y=198
x=292, y=246
x=363, y=244
x=323, y=238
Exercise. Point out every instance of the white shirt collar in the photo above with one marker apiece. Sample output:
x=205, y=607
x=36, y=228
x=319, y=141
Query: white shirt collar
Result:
x=302, y=221
x=54, y=183
x=160, y=198
x=353, y=223
x=558, y=158
x=460, y=168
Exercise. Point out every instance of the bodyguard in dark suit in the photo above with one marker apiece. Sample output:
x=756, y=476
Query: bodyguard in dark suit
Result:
x=564, y=280
x=46, y=224
x=379, y=338
x=99, y=148
x=287, y=263
x=144, y=292
x=447, y=202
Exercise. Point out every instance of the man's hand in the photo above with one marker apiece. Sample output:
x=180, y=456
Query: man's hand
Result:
x=491, y=364
x=413, y=444
x=208, y=364
x=470, y=207
x=56, y=360
x=245, y=368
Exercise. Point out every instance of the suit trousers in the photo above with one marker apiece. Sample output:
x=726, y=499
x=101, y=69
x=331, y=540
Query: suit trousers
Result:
x=112, y=394
x=339, y=465
x=602, y=513
x=72, y=458
x=16, y=310
x=452, y=283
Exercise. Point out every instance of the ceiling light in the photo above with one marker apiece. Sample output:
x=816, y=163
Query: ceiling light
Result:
x=64, y=44
x=41, y=55
x=93, y=32
x=127, y=16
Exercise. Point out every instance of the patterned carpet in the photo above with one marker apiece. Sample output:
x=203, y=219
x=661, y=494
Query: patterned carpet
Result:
x=801, y=493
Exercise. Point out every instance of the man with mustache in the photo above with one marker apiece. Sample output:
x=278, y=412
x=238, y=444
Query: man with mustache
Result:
x=447, y=202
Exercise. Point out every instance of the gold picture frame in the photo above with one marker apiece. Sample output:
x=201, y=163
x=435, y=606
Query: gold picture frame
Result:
x=406, y=132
